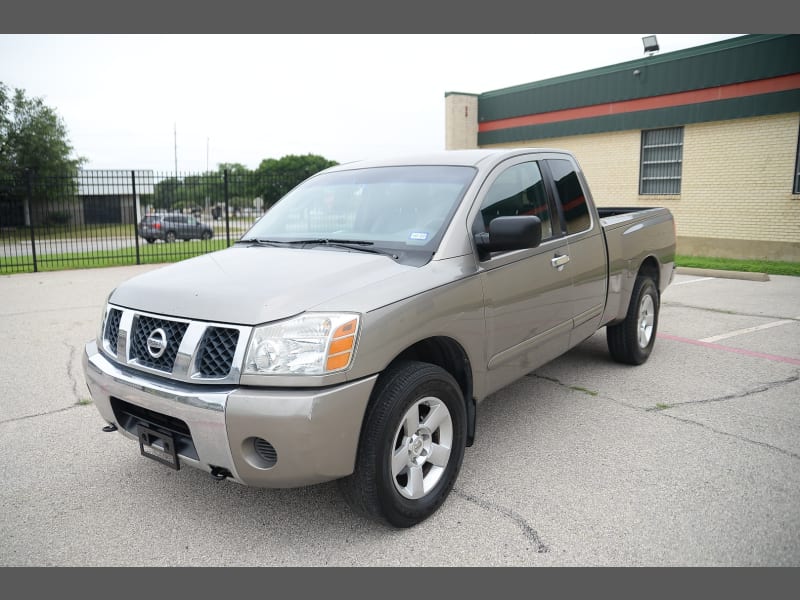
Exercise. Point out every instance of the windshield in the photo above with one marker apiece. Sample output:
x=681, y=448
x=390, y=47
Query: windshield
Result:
x=404, y=209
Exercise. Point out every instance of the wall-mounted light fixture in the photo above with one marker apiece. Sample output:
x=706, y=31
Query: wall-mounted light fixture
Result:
x=650, y=43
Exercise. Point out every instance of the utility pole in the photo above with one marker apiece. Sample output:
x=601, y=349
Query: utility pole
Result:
x=207, y=177
x=175, y=132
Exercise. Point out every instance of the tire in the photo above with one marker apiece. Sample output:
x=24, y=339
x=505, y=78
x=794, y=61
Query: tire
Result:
x=411, y=446
x=170, y=237
x=631, y=341
x=206, y=235
x=150, y=240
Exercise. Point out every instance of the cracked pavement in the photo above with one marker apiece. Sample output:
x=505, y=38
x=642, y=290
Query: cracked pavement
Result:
x=689, y=459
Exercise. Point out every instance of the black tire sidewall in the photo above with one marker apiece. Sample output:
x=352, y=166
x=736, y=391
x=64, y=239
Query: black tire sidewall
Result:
x=645, y=286
x=420, y=380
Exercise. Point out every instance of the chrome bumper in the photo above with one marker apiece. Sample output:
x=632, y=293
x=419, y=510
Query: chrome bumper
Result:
x=314, y=431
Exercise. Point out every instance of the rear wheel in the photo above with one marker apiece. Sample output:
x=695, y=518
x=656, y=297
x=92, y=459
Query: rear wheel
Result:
x=150, y=240
x=206, y=235
x=411, y=447
x=631, y=341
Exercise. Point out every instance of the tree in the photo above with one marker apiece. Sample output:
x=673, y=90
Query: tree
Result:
x=35, y=161
x=33, y=136
x=277, y=177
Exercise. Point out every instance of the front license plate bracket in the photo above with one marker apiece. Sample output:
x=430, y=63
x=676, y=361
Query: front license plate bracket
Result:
x=167, y=455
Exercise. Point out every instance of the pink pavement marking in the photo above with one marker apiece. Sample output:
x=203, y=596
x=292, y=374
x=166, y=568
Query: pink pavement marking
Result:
x=772, y=357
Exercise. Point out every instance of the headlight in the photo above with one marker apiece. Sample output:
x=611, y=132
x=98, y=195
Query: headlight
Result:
x=311, y=344
x=103, y=316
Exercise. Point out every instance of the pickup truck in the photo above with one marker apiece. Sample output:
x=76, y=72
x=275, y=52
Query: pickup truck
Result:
x=354, y=330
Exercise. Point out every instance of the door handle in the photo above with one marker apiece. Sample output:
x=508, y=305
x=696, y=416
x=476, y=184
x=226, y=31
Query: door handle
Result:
x=559, y=261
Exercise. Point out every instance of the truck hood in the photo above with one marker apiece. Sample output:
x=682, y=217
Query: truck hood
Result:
x=253, y=285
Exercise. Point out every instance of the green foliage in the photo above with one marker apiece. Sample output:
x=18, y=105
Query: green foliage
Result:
x=148, y=254
x=277, y=177
x=272, y=180
x=32, y=136
x=771, y=267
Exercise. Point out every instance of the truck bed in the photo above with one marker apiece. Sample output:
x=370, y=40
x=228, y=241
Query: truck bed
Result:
x=633, y=234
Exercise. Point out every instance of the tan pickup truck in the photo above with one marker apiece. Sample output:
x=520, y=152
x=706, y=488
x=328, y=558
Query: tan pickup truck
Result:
x=354, y=330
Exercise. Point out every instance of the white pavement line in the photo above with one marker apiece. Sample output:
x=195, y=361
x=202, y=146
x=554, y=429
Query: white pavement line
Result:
x=731, y=334
x=694, y=280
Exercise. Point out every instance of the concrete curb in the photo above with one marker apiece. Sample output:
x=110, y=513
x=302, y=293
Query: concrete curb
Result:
x=722, y=274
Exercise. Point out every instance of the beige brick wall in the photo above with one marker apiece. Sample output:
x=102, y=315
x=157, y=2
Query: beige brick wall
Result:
x=736, y=183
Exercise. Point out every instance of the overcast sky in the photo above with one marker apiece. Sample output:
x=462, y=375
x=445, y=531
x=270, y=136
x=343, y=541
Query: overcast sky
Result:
x=244, y=98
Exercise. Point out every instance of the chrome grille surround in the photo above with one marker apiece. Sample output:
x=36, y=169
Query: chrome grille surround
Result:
x=197, y=351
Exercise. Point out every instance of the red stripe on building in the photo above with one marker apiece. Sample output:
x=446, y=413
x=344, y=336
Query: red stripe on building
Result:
x=723, y=92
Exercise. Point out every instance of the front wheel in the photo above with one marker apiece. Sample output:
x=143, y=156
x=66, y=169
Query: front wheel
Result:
x=170, y=237
x=631, y=341
x=411, y=447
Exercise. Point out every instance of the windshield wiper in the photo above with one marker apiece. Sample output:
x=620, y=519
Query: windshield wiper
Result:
x=330, y=241
x=359, y=245
x=260, y=242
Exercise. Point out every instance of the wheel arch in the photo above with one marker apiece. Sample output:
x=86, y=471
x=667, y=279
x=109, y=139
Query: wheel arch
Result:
x=447, y=353
x=651, y=268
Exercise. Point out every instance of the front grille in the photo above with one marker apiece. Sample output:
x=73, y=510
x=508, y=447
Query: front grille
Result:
x=143, y=327
x=216, y=351
x=207, y=355
x=112, y=328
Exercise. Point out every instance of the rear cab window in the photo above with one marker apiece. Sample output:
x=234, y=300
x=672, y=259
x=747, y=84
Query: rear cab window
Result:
x=570, y=196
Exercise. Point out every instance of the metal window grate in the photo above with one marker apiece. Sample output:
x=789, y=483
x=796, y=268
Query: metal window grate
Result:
x=216, y=351
x=661, y=161
x=796, y=184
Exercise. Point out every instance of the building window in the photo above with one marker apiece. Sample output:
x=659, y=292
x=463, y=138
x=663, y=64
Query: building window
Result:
x=796, y=186
x=662, y=156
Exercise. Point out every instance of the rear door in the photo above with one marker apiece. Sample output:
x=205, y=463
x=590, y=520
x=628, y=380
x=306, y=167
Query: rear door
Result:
x=527, y=292
x=586, y=252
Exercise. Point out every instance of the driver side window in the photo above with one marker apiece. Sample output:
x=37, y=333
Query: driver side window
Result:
x=519, y=190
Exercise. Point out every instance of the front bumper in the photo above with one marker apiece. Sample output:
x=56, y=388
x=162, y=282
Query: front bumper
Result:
x=314, y=431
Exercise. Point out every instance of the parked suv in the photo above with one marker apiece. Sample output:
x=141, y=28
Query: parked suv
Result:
x=173, y=227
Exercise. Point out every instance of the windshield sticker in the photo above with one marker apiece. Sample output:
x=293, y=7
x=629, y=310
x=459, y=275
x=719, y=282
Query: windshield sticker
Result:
x=418, y=235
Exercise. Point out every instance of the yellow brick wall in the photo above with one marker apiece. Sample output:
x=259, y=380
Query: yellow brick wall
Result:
x=736, y=181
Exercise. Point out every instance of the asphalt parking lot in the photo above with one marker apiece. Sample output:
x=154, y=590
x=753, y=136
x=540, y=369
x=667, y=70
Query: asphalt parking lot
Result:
x=690, y=459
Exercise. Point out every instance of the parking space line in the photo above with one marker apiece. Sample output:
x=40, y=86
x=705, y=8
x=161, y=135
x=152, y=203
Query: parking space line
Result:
x=724, y=336
x=750, y=353
x=693, y=280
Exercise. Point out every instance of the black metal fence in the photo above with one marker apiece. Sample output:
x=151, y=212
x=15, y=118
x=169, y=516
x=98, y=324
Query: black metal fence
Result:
x=93, y=218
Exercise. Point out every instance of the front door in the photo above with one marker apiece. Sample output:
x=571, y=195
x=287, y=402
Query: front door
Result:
x=527, y=292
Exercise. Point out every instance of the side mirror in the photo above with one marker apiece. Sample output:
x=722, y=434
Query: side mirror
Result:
x=510, y=233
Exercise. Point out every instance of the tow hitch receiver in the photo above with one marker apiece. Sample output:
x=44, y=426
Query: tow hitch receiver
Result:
x=166, y=454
